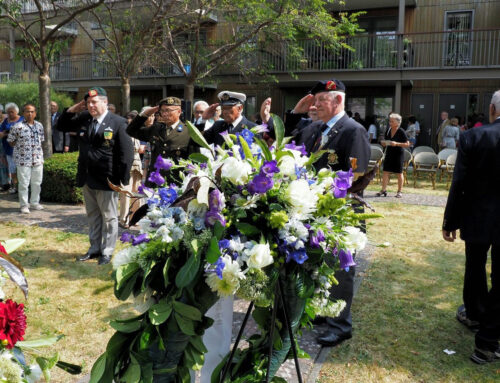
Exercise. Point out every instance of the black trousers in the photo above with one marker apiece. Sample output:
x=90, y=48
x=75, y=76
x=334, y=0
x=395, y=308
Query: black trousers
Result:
x=481, y=304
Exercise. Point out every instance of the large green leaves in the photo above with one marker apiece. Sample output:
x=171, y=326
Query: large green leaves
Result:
x=125, y=278
x=188, y=272
x=213, y=252
x=279, y=130
x=187, y=311
x=160, y=312
x=197, y=136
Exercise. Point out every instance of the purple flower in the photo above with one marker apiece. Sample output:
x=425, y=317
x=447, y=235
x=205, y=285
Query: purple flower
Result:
x=341, y=183
x=345, y=258
x=219, y=266
x=144, y=189
x=141, y=238
x=213, y=216
x=270, y=167
x=167, y=196
x=260, y=184
x=247, y=135
x=162, y=163
x=224, y=244
x=203, y=166
x=156, y=178
x=215, y=201
x=299, y=256
x=315, y=240
x=190, y=168
x=301, y=148
x=126, y=237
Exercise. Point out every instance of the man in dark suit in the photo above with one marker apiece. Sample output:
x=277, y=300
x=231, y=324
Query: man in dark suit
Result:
x=474, y=207
x=344, y=139
x=232, y=114
x=106, y=153
x=168, y=136
x=60, y=140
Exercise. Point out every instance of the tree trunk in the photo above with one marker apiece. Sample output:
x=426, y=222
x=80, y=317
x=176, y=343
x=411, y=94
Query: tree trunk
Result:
x=188, y=97
x=43, y=114
x=125, y=95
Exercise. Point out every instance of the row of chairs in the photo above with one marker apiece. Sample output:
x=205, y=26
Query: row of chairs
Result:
x=424, y=161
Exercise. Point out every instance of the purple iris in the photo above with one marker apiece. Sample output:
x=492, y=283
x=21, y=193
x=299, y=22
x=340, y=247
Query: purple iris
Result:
x=156, y=178
x=341, y=183
x=190, y=168
x=203, y=166
x=126, y=237
x=215, y=201
x=224, y=244
x=167, y=196
x=315, y=240
x=213, y=216
x=299, y=256
x=301, y=148
x=260, y=184
x=143, y=189
x=141, y=238
x=270, y=167
x=219, y=266
x=345, y=258
x=162, y=163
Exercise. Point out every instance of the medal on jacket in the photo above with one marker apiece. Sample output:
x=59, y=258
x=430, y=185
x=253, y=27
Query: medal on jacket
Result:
x=108, y=133
x=332, y=157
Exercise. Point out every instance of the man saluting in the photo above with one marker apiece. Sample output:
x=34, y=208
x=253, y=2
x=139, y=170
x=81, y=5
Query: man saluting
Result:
x=106, y=153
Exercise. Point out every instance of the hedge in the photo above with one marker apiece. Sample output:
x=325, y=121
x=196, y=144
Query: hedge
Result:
x=59, y=179
x=23, y=93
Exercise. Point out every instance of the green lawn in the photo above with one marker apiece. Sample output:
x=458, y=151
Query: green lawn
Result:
x=404, y=313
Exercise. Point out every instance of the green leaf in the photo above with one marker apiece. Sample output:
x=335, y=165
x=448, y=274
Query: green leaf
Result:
x=275, y=206
x=279, y=130
x=247, y=229
x=197, y=136
x=198, y=157
x=218, y=230
x=283, y=153
x=44, y=366
x=70, y=368
x=146, y=338
x=197, y=342
x=125, y=327
x=165, y=271
x=186, y=325
x=184, y=375
x=42, y=342
x=188, y=311
x=315, y=157
x=246, y=150
x=213, y=252
x=188, y=272
x=133, y=372
x=12, y=245
x=98, y=369
x=160, y=312
x=124, y=272
x=196, y=245
x=265, y=149
x=262, y=316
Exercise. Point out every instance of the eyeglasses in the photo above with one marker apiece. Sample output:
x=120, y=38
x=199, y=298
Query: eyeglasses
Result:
x=169, y=110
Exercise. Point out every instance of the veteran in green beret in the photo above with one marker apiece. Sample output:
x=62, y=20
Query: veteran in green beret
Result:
x=168, y=136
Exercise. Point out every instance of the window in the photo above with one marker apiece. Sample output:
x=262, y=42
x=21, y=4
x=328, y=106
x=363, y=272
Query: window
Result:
x=458, y=39
x=250, y=107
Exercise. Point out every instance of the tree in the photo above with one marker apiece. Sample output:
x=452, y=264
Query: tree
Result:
x=39, y=28
x=246, y=30
x=126, y=32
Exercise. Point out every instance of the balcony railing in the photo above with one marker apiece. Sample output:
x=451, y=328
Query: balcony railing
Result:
x=29, y=6
x=377, y=52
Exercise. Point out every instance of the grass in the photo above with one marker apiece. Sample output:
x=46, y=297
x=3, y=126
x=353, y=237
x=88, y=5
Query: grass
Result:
x=404, y=311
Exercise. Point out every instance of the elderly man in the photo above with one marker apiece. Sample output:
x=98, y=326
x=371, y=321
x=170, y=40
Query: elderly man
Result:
x=474, y=207
x=439, y=133
x=232, y=121
x=26, y=137
x=344, y=139
x=198, y=108
x=106, y=154
x=60, y=140
x=11, y=119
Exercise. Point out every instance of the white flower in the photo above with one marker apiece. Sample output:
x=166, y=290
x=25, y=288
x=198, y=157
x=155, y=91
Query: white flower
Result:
x=164, y=233
x=355, y=239
x=10, y=371
x=259, y=256
x=231, y=276
x=236, y=171
x=145, y=225
x=196, y=209
x=287, y=163
x=301, y=197
x=35, y=373
x=127, y=255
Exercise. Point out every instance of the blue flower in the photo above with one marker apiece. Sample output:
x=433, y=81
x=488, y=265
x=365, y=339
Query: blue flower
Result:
x=143, y=189
x=156, y=178
x=215, y=201
x=260, y=184
x=203, y=166
x=219, y=266
x=247, y=135
x=213, y=216
x=126, y=237
x=270, y=167
x=315, y=240
x=167, y=196
x=299, y=256
x=345, y=258
x=224, y=244
x=162, y=163
x=141, y=238
x=301, y=148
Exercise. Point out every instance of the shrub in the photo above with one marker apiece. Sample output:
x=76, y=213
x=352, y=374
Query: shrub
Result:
x=22, y=93
x=59, y=179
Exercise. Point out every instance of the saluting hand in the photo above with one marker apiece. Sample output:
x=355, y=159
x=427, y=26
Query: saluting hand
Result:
x=265, y=110
x=304, y=104
x=77, y=108
x=150, y=111
x=209, y=112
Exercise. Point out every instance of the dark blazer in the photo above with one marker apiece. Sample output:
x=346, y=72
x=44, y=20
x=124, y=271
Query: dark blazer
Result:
x=213, y=136
x=102, y=157
x=473, y=204
x=347, y=138
x=59, y=139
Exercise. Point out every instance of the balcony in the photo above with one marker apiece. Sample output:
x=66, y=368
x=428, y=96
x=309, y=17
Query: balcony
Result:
x=422, y=53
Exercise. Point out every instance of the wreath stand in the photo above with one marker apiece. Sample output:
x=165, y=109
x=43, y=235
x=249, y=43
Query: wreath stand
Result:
x=278, y=295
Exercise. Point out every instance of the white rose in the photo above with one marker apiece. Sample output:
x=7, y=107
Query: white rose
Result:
x=236, y=171
x=355, y=239
x=301, y=197
x=287, y=164
x=259, y=256
x=35, y=373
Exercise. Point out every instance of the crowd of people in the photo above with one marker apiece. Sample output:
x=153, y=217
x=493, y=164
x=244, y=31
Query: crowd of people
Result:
x=129, y=151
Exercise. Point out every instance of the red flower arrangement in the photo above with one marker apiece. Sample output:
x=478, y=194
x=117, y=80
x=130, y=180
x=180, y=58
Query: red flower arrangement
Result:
x=12, y=323
x=2, y=250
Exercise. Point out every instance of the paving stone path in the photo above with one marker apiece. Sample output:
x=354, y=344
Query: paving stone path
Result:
x=72, y=218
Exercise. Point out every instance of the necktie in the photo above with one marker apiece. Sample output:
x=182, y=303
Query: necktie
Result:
x=230, y=128
x=93, y=126
x=321, y=140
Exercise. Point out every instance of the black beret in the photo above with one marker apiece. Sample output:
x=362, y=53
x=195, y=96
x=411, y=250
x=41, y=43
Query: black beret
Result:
x=328, y=86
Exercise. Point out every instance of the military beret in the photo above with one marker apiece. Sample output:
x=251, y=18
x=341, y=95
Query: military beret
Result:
x=95, y=91
x=231, y=98
x=328, y=86
x=170, y=101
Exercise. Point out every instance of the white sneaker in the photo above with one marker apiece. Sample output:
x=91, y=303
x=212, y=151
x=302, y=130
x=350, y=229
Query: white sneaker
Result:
x=37, y=206
x=12, y=191
x=25, y=210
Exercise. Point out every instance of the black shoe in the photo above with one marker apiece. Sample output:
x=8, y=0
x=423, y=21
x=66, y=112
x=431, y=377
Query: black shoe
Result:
x=330, y=339
x=104, y=259
x=472, y=325
x=88, y=256
x=484, y=356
